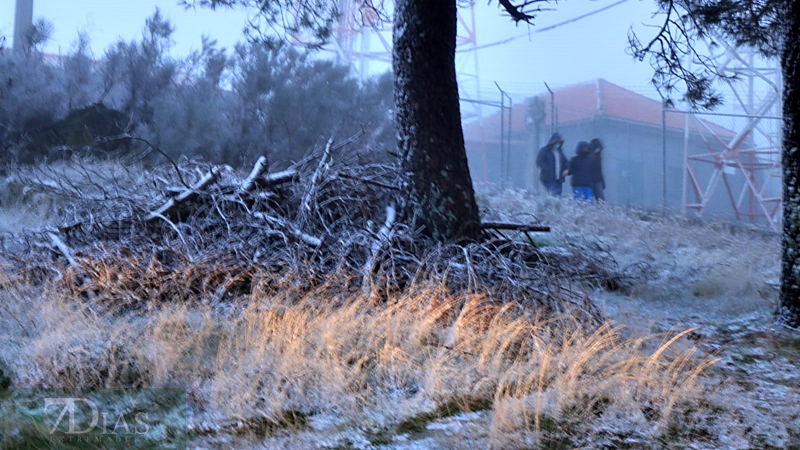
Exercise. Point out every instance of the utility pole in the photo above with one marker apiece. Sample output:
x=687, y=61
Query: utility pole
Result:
x=23, y=20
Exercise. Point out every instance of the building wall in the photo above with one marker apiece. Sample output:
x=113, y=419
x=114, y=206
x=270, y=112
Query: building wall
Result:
x=633, y=164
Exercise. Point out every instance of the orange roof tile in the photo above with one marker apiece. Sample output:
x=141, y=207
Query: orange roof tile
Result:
x=588, y=100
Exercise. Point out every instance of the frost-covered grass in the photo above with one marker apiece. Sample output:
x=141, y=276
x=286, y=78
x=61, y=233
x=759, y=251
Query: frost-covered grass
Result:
x=385, y=369
x=680, y=260
x=429, y=369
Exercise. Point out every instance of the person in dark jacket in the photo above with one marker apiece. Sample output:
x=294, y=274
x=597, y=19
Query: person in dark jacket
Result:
x=581, y=168
x=599, y=186
x=553, y=165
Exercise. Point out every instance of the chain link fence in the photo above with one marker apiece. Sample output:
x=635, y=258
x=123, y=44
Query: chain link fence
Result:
x=717, y=165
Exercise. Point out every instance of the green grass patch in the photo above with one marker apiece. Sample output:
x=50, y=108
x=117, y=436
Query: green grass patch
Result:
x=457, y=405
x=554, y=434
x=263, y=427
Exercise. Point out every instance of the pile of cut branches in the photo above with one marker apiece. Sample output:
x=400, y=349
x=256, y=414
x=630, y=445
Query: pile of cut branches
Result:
x=195, y=232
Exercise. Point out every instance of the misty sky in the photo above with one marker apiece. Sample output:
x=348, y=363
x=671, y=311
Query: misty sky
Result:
x=577, y=51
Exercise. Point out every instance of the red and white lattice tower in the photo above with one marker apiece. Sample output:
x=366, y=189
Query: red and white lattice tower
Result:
x=753, y=151
x=362, y=39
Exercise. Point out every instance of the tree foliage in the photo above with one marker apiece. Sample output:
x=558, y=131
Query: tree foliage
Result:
x=758, y=24
x=137, y=73
x=223, y=107
x=31, y=97
x=308, y=21
x=37, y=35
x=290, y=100
x=80, y=83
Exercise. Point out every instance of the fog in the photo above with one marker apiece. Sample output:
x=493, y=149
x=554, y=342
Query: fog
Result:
x=571, y=43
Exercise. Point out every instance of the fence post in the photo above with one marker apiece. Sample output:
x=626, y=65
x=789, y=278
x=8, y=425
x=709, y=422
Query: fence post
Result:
x=663, y=156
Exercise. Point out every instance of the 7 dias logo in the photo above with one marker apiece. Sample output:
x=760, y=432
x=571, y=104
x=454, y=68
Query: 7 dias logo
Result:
x=81, y=416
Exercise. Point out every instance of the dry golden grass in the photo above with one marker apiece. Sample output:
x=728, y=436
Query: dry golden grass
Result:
x=326, y=355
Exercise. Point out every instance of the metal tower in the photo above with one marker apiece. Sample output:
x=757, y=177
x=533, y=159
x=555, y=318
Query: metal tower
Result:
x=363, y=40
x=752, y=153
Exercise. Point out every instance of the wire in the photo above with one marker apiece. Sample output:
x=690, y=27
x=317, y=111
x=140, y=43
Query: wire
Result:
x=541, y=30
x=575, y=19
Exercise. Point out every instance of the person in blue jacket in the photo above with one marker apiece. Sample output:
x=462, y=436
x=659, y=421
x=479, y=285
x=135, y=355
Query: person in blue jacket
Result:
x=553, y=165
x=582, y=171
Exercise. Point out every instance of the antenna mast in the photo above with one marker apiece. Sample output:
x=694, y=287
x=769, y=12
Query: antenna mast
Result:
x=23, y=20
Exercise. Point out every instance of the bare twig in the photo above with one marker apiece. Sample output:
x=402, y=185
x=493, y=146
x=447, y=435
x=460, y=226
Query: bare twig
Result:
x=323, y=162
x=521, y=12
x=307, y=238
x=154, y=147
x=370, y=182
x=250, y=182
x=62, y=247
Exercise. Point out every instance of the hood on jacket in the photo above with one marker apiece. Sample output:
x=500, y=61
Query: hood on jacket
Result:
x=555, y=138
x=582, y=147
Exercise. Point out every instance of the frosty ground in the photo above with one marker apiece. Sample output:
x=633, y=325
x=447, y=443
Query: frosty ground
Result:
x=689, y=357
x=719, y=280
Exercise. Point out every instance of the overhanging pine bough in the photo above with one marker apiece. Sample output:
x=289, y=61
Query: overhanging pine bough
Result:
x=772, y=27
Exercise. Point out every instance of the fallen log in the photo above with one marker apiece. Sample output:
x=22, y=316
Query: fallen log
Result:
x=84, y=279
x=515, y=227
x=278, y=178
x=323, y=163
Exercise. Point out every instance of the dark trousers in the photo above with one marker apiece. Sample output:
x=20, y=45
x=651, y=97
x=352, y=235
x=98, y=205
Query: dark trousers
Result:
x=553, y=187
x=597, y=190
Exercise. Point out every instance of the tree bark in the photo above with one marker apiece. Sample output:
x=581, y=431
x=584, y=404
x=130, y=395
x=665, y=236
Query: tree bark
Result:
x=789, y=310
x=440, y=195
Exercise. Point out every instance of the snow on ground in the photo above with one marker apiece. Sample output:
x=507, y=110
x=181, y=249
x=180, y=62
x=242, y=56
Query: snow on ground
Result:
x=717, y=279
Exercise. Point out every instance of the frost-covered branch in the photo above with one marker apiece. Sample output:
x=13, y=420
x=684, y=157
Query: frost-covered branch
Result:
x=184, y=196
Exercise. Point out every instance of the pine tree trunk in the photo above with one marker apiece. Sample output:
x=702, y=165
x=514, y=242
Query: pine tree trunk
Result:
x=438, y=185
x=789, y=312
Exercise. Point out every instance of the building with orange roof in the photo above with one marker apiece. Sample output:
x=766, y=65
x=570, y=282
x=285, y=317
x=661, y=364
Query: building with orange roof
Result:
x=645, y=146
